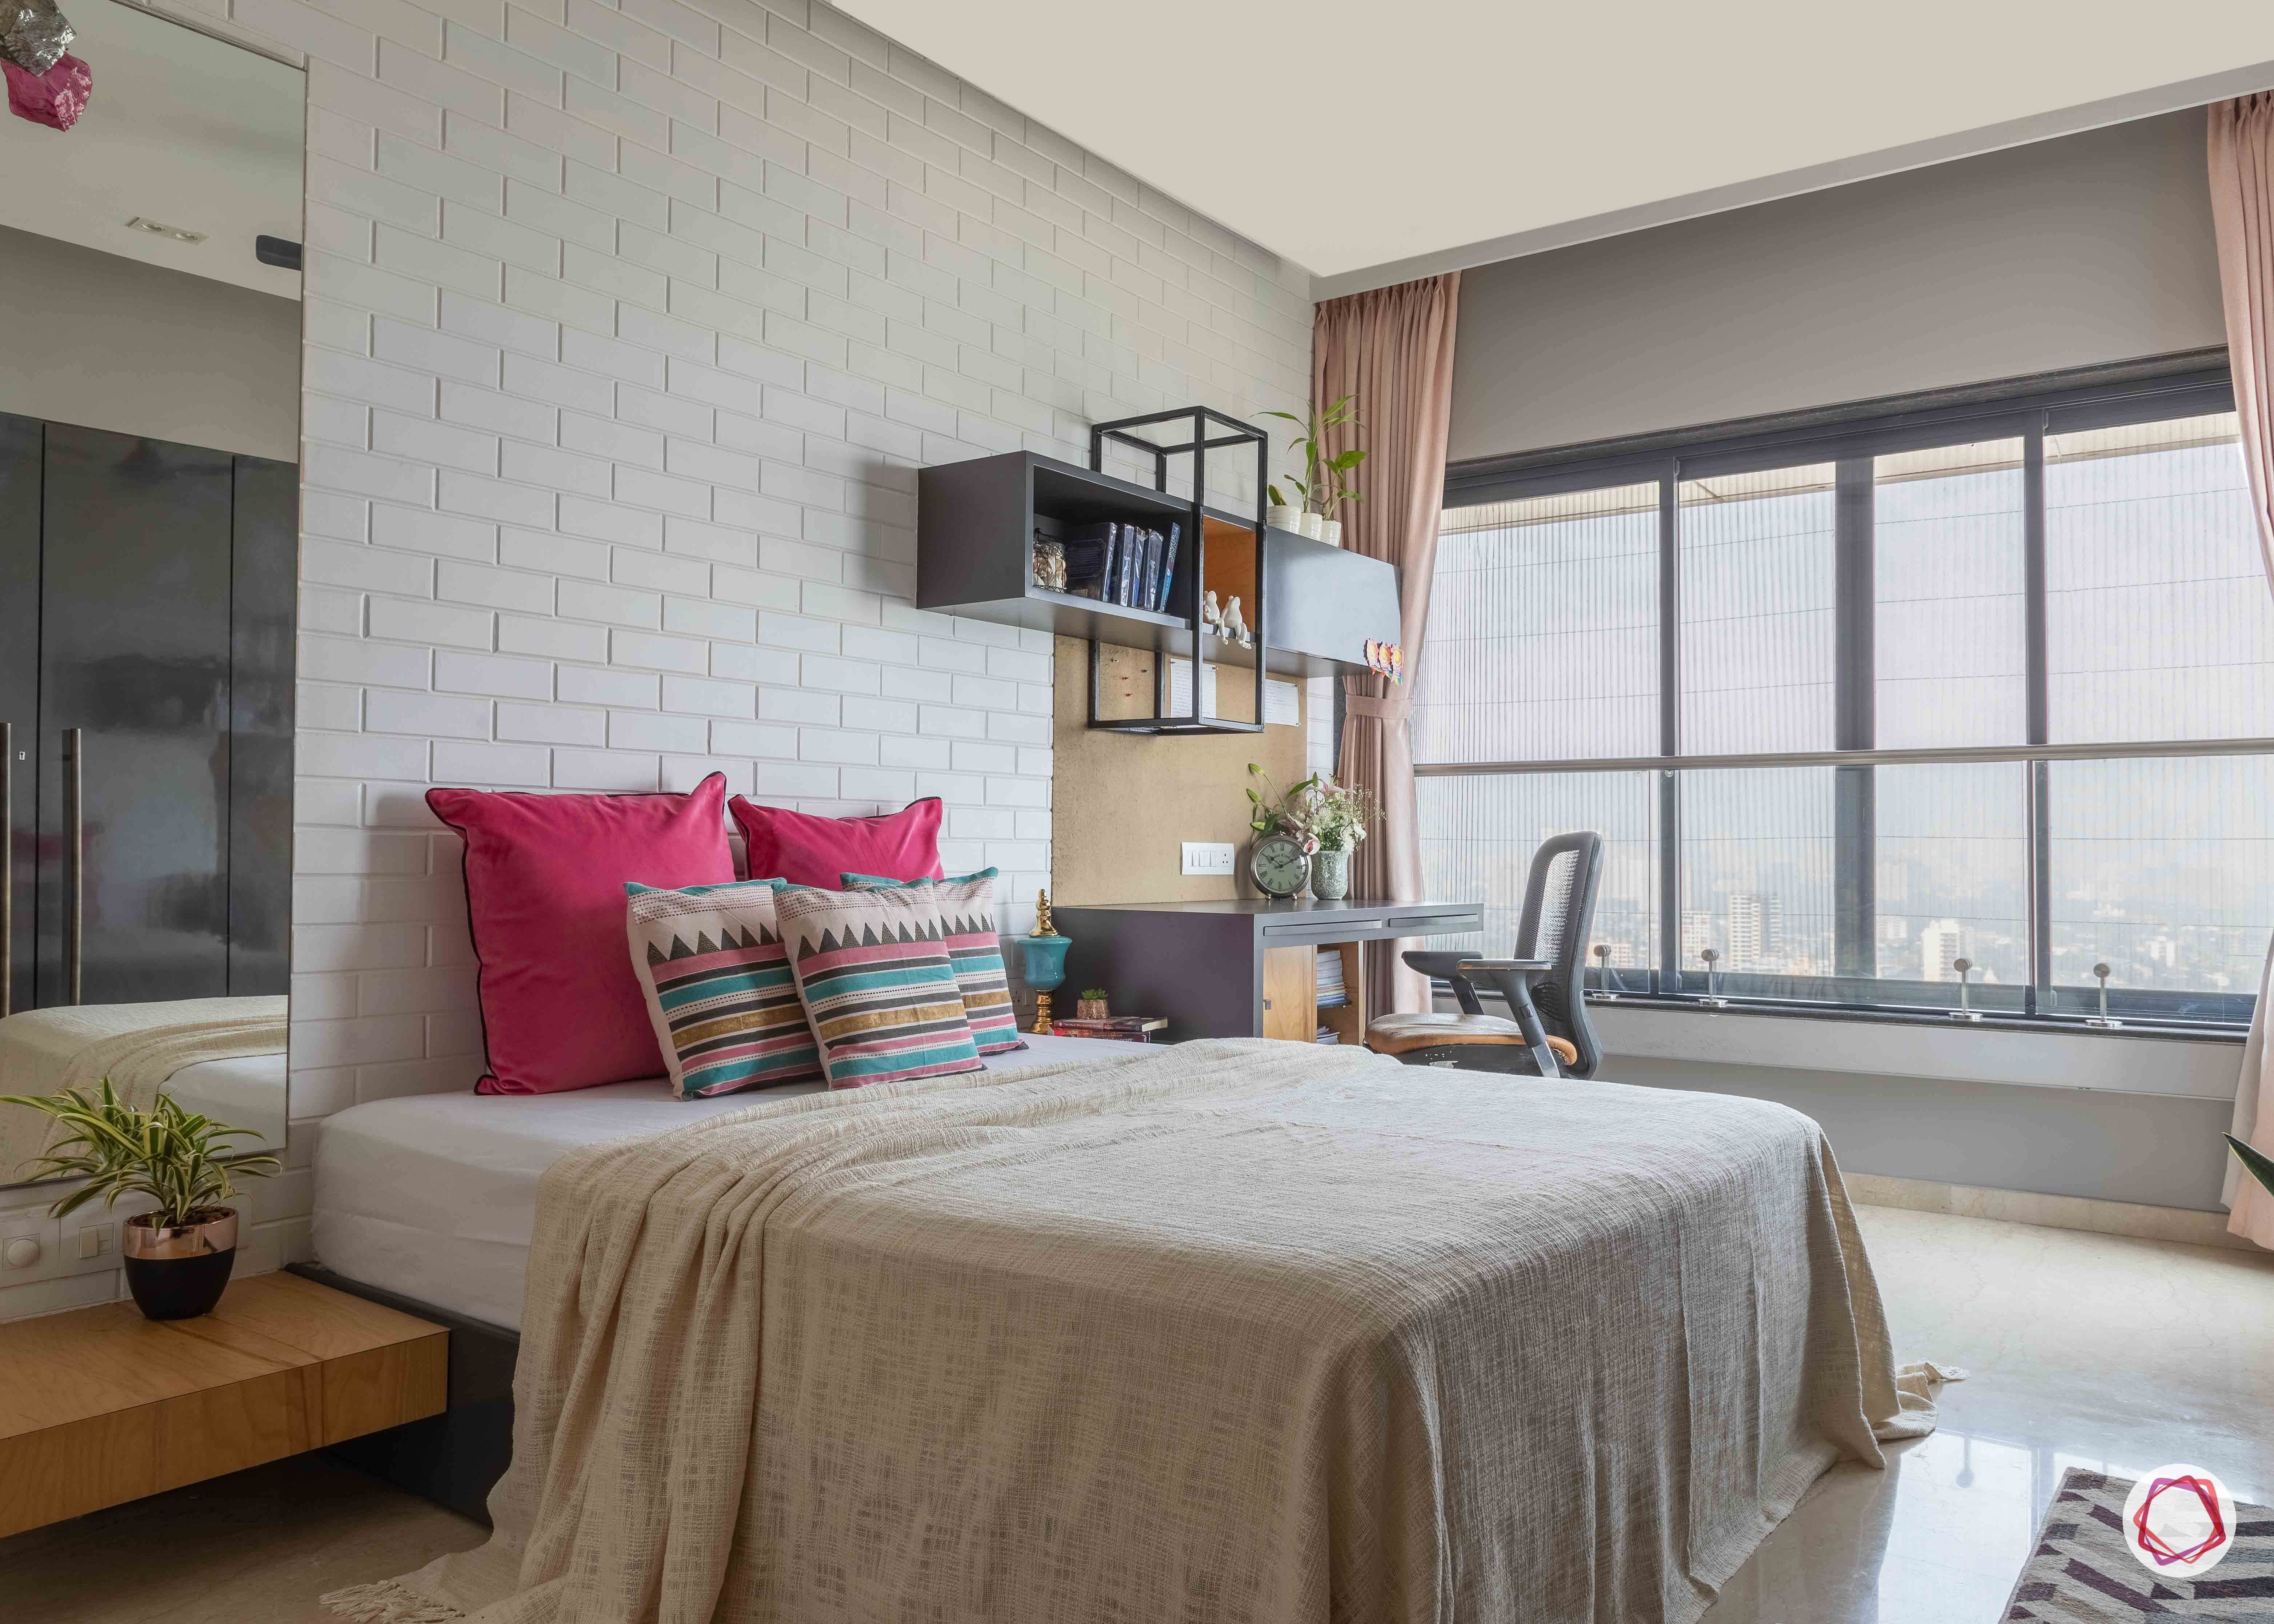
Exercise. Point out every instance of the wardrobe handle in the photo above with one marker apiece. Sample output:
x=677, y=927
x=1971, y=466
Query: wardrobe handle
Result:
x=7, y=868
x=74, y=853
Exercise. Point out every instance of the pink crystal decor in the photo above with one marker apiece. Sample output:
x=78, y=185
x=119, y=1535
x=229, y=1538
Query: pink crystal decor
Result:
x=54, y=98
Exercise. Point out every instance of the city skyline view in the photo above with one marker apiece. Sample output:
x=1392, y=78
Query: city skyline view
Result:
x=1543, y=645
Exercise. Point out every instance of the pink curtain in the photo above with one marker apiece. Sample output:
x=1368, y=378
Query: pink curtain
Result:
x=2242, y=208
x=1392, y=348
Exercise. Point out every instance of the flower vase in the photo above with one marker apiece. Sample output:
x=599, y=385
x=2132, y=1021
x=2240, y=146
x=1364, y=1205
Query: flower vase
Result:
x=1330, y=874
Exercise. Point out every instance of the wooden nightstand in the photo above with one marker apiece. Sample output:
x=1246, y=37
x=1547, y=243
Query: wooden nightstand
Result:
x=101, y=1405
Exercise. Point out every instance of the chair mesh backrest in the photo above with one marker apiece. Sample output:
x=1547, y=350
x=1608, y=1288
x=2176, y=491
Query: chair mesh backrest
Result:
x=1559, y=910
x=1555, y=908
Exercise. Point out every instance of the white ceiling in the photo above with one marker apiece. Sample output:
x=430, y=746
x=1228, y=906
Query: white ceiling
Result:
x=179, y=128
x=1352, y=134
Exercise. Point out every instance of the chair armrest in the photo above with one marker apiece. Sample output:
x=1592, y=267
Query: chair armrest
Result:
x=1514, y=979
x=1442, y=966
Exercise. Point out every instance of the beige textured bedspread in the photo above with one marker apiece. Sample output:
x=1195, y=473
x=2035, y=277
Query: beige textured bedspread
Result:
x=138, y=1046
x=1244, y=1331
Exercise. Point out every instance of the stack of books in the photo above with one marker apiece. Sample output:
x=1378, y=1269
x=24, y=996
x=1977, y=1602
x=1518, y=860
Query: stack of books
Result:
x=1327, y=1035
x=1125, y=1028
x=1332, y=993
x=1124, y=564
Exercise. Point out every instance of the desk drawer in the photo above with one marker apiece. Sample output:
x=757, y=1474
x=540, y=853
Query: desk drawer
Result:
x=1362, y=927
x=1440, y=922
x=1375, y=927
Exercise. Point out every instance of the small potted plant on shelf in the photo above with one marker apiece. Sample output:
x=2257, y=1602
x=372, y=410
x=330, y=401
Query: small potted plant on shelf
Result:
x=1336, y=816
x=1325, y=483
x=178, y=1258
x=1092, y=1004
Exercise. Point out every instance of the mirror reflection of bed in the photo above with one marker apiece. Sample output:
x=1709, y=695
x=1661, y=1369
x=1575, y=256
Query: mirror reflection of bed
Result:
x=221, y=1058
x=149, y=491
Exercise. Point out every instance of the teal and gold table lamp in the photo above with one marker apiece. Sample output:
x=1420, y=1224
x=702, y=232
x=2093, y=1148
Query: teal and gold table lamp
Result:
x=1046, y=952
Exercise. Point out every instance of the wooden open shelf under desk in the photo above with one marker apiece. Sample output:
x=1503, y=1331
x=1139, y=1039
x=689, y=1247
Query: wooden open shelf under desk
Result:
x=1290, y=994
x=1349, y=1021
x=101, y=1406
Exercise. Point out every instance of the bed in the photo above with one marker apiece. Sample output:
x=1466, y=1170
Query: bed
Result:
x=1237, y=1331
x=433, y=1198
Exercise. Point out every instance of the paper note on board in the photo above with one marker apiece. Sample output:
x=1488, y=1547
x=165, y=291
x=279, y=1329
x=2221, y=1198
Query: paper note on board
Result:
x=1283, y=701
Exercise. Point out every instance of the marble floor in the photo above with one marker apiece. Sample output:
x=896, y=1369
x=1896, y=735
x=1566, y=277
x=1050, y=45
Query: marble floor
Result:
x=2084, y=1350
x=2092, y=1350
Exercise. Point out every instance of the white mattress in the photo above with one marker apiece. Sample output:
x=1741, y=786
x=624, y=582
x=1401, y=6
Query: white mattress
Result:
x=435, y=1195
x=246, y=1091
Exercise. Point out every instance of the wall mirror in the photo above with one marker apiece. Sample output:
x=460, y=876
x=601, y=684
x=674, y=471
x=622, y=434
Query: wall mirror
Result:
x=149, y=487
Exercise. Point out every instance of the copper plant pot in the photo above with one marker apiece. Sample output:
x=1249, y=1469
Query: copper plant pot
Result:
x=180, y=1272
x=1093, y=1009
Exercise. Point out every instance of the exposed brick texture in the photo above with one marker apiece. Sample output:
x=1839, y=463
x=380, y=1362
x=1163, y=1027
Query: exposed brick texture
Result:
x=627, y=331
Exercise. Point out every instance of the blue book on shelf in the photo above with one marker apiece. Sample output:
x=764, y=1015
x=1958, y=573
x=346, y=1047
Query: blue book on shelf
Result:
x=1133, y=564
x=1148, y=591
x=1168, y=568
x=1108, y=581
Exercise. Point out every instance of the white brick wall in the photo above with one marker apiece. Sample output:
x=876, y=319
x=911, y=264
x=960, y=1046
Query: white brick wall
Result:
x=628, y=328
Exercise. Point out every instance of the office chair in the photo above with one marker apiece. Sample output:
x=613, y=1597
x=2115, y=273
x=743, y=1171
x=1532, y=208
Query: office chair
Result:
x=1544, y=984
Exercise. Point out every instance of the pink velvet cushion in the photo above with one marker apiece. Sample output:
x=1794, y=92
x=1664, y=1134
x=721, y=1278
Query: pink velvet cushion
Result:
x=562, y=1006
x=806, y=850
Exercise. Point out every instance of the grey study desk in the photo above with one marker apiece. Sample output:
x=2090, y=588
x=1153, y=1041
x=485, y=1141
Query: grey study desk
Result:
x=1241, y=969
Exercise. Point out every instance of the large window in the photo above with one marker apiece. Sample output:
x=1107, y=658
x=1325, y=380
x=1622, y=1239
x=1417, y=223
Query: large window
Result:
x=1853, y=705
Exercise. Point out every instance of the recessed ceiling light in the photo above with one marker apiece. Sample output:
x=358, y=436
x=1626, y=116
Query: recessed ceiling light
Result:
x=156, y=228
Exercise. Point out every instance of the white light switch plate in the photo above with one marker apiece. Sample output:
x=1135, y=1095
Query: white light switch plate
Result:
x=1208, y=857
x=86, y=1243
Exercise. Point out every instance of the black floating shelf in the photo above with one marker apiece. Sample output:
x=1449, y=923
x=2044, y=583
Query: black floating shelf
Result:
x=975, y=525
x=1173, y=725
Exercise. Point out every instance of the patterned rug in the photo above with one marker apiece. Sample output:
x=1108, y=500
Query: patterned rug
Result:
x=2083, y=1573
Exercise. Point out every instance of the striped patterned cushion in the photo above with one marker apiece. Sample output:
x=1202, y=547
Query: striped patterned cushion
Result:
x=967, y=907
x=718, y=987
x=879, y=989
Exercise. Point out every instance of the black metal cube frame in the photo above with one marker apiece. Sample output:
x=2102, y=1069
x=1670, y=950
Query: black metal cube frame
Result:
x=1120, y=431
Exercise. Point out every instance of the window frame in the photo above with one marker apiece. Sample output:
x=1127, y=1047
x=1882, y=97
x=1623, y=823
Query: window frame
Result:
x=2191, y=385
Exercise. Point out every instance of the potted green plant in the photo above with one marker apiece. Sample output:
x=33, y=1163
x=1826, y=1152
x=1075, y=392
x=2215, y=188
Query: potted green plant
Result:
x=1092, y=1004
x=1325, y=483
x=1336, y=816
x=178, y=1258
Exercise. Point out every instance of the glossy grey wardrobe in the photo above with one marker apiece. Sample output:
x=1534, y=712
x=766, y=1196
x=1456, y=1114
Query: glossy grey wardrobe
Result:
x=147, y=614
